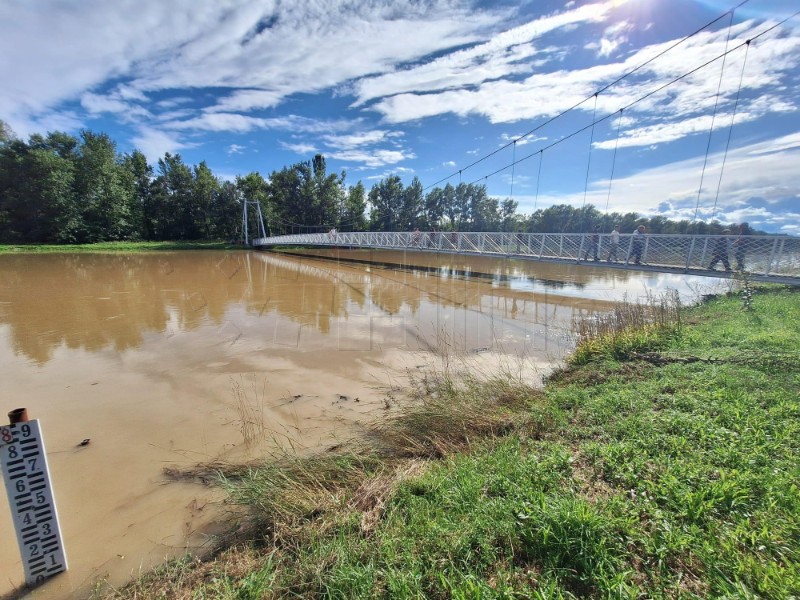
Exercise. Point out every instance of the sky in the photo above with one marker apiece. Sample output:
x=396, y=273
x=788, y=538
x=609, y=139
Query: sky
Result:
x=655, y=106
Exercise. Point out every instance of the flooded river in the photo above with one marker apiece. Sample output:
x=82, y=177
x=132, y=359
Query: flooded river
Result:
x=173, y=359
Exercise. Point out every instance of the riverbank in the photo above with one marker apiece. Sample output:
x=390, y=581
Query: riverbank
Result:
x=117, y=247
x=661, y=462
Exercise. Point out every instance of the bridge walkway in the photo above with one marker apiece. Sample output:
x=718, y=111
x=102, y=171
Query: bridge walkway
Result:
x=774, y=259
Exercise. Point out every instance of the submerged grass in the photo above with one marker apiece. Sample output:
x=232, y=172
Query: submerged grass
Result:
x=662, y=468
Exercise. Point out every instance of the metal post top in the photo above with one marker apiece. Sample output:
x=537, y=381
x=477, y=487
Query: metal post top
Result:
x=18, y=415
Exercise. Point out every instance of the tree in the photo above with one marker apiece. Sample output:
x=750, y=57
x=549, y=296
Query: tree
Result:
x=169, y=212
x=435, y=202
x=327, y=195
x=386, y=201
x=354, y=206
x=226, y=212
x=6, y=134
x=412, y=208
x=204, y=189
x=37, y=203
x=138, y=177
x=508, y=211
x=102, y=192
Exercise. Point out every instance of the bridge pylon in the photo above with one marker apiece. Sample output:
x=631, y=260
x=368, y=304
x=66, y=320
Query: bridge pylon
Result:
x=259, y=218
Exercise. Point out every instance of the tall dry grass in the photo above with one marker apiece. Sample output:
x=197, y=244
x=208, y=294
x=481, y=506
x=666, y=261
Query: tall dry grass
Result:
x=630, y=327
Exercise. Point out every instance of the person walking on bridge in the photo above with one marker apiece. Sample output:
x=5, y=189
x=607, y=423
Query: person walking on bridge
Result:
x=740, y=246
x=720, y=251
x=614, y=241
x=637, y=245
x=594, y=243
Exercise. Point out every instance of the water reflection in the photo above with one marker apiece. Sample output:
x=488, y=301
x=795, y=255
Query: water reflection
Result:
x=99, y=301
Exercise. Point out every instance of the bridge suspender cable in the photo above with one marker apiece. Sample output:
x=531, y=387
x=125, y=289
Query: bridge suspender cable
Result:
x=730, y=130
x=513, y=159
x=713, y=117
x=589, y=159
x=650, y=93
x=538, y=179
x=600, y=91
x=614, y=159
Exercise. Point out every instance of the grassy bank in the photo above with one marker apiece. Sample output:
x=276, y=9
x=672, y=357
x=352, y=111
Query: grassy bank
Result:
x=116, y=247
x=663, y=462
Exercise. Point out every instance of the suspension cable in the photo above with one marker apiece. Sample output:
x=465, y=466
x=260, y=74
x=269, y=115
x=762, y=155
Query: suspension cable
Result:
x=601, y=90
x=589, y=159
x=652, y=92
x=538, y=180
x=713, y=118
x=614, y=159
x=730, y=130
x=513, y=158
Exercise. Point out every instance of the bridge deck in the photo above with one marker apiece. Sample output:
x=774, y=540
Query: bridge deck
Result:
x=762, y=258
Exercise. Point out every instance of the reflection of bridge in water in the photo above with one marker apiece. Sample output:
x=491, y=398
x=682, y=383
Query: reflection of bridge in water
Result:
x=774, y=259
x=431, y=308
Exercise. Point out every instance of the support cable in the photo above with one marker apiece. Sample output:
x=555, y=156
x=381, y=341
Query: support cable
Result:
x=601, y=90
x=589, y=159
x=513, y=158
x=713, y=118
x=651, y=93
x=538, y=179
x=730, y=130
x=614, y=159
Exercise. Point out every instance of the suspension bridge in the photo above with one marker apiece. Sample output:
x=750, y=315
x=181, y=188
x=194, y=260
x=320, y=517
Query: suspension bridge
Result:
x=762, y=258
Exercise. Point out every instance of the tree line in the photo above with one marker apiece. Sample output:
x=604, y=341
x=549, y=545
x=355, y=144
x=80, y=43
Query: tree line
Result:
x=59, y=188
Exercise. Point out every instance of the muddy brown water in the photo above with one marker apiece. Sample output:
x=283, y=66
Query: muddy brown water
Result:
x=173, y=359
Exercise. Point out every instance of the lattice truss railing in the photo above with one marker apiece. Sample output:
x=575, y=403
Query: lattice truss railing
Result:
x=776, y=256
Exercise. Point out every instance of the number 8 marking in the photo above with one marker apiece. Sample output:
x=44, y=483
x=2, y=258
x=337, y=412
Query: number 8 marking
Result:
x=7, y=436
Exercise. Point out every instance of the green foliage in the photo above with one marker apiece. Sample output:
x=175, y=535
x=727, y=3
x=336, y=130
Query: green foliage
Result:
x=62, y=189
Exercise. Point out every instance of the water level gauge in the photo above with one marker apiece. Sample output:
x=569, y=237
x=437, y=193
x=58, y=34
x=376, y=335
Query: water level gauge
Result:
x=30, y=495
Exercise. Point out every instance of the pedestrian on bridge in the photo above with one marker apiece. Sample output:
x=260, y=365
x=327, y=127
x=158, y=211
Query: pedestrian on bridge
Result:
x=637, y=245
x=740, y=246
x=720, y=251
x=594, y=243
x=614, y=241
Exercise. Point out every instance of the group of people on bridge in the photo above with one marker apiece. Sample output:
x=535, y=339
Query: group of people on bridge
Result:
x=719, y=252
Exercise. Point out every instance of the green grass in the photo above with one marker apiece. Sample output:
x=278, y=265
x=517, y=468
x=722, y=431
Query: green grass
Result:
x=116, y=247
x=672, y=473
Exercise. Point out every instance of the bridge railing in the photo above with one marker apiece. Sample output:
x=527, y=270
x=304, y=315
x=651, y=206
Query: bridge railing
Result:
x=777, y=256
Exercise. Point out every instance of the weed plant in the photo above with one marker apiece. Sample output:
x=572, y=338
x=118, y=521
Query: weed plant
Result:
x=626, y=477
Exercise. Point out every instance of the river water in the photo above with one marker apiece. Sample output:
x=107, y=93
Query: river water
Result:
x=167, y=360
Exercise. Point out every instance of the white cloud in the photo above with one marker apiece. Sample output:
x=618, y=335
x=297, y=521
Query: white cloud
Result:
x=115, y=104
x=505, y=138
x=235, y=149
x=502, y=55
x=450, y=164
x=764, y=88
x=362, y=138
x=375, y=158
x=155, y=143
x=300, y=147
x=757, y=182
x=190, y=44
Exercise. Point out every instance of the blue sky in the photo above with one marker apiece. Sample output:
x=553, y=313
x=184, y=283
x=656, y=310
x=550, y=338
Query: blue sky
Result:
x=427, y=88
